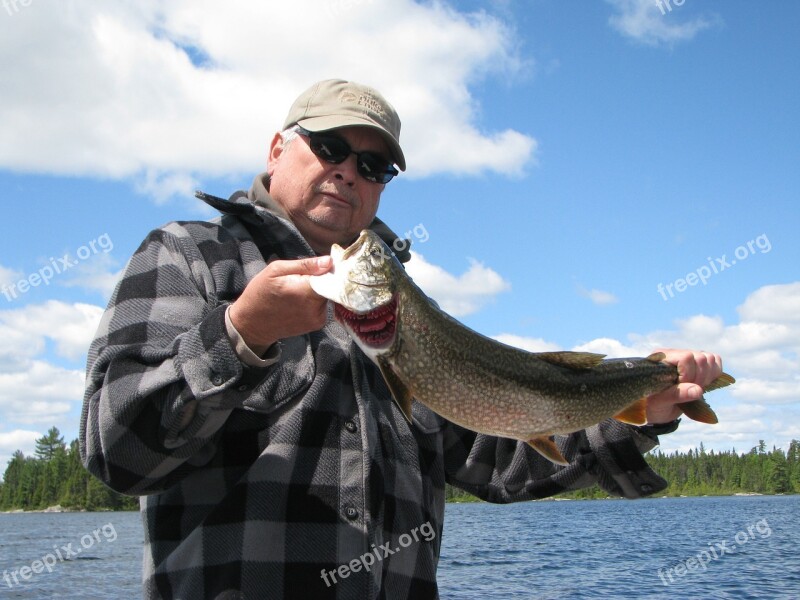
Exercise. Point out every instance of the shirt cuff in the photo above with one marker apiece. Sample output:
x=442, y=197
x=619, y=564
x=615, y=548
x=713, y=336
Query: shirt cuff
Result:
x=244, y=352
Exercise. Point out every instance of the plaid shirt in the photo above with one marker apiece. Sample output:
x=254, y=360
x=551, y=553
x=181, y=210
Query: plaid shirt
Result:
x=279, y=481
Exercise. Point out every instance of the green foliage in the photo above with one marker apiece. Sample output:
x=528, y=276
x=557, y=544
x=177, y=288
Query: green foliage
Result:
x=700, y=473
x=758, y=471
x=56, y=476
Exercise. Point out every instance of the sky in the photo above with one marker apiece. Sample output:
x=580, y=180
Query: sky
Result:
x=614, y=176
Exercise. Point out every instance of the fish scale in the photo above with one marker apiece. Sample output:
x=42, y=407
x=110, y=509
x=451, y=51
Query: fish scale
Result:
x=474, y=381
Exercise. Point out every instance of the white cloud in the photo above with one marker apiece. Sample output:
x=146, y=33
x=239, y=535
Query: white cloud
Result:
x=599, y=297
x=526, y=343
x=762, y=351
x=18, y=439
x=655, y=22
x=8, y=276
x=33, y=389
x=164, y=91
x=42, y=393
x=459, y=296
x=69, y=326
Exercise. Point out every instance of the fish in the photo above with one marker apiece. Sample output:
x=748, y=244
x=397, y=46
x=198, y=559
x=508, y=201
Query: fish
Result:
x=424, y=354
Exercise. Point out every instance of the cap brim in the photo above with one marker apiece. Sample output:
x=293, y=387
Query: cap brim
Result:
x=330, y=122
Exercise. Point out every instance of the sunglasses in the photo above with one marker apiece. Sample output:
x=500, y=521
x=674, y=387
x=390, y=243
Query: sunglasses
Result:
x=333, y=149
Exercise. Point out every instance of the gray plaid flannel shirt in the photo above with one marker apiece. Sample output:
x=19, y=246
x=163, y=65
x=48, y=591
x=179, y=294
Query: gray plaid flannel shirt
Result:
x=256, y=481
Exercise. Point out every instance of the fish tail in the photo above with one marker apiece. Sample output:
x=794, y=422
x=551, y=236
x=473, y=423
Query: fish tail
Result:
x=699, y=410
x=720, y=382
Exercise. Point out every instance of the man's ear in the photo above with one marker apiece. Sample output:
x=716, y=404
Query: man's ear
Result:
x=276, y=148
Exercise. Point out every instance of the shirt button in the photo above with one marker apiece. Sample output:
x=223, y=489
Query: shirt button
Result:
x=243, y=388
x=216, y=379
x=351, y=513
x=646, y=488
x=350, y=426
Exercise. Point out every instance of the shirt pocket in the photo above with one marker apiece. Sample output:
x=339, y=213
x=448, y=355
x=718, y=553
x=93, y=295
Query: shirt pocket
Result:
x=289, y=378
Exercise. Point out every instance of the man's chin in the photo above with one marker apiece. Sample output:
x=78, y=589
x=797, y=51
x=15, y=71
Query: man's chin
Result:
x=322, y=233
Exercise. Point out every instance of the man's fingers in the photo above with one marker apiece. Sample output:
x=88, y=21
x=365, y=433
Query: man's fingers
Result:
x=683, y=392
x=316, y=265
x=695, y=367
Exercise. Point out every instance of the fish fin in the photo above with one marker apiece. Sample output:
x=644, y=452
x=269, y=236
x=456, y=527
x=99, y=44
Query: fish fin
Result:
x=635, y=414
x=699, y=410
x=720, y=382
x=547, y=448
x=401, y=394
x=656, y=357
x=572, y=360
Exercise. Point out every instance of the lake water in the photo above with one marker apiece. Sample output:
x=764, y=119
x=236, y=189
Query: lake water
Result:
x=729, y=547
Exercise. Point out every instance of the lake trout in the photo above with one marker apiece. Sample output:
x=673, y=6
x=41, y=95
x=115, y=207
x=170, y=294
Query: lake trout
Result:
x=477, y=382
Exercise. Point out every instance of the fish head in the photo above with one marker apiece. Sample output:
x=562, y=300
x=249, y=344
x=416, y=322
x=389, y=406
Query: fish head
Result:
x=363, y=285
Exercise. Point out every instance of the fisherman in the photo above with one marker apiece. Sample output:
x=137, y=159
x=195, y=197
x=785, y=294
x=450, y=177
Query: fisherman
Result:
x=269, y=457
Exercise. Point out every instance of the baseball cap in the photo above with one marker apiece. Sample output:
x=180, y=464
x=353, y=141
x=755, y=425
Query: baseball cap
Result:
x=335, y=103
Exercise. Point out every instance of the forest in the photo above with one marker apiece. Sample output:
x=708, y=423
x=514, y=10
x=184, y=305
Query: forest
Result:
x=54, y=476
x=701, y=473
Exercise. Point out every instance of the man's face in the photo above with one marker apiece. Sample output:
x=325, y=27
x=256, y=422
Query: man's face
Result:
x=328, y=203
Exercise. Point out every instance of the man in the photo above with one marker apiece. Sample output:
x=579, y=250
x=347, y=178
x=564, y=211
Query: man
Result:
x=270, y=458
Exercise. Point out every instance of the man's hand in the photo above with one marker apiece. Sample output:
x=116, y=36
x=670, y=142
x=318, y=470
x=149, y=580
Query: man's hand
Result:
x=695, y=371
x=279, y=303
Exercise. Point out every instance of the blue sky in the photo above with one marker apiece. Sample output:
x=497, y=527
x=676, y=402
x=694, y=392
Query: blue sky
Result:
x=565, y=159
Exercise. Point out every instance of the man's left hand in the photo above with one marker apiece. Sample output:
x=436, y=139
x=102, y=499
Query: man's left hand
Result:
x=695, y=371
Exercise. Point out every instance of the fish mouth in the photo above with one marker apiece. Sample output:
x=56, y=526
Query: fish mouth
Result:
x=375, y=328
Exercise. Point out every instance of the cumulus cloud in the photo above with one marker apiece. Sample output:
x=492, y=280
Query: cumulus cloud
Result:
x=163, y=92
x=526, y=343
x=41, y=393
x=762, y=351
x=33, y=389
x=18, y=439
x=458, y=295
x=69, y=327
x=656, y=22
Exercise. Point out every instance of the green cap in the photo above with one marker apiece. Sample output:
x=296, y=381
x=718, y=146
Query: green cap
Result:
x=335, y=103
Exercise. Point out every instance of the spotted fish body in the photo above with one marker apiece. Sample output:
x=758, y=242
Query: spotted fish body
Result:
x=472, y=380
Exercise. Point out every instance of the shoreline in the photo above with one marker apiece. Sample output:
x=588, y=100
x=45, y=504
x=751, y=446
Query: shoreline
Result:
x=57, y=509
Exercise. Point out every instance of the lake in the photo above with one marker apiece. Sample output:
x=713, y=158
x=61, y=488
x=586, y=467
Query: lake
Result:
x=713, y=547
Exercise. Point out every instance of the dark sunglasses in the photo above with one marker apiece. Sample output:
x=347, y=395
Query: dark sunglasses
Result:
x=333, y=149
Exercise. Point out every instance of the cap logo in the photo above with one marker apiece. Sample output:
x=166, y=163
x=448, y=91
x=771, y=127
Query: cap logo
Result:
x=364, y=99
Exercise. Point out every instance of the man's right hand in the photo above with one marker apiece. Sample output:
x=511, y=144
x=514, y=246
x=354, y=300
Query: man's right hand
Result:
x=279, y=303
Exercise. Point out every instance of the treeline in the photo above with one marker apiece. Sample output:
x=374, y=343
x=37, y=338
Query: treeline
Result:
x=700, y=473
x=696, y=473
x=56, y=476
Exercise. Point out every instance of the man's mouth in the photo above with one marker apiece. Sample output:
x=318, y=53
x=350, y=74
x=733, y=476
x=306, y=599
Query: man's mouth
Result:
x=375, y=328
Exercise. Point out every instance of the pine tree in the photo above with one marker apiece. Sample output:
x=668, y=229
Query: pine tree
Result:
x=49, y=444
